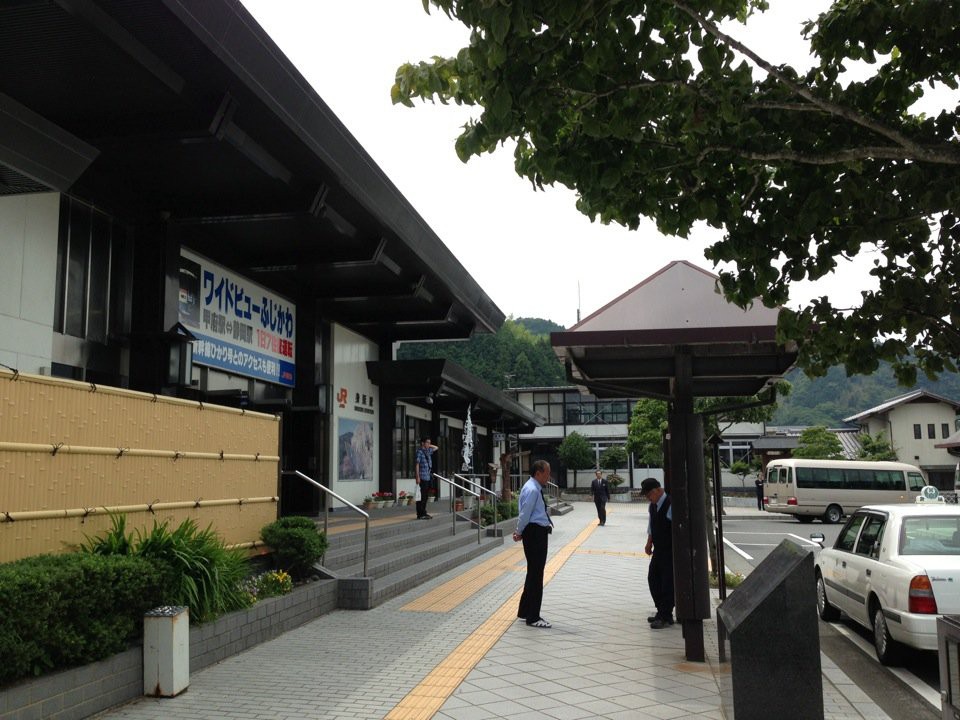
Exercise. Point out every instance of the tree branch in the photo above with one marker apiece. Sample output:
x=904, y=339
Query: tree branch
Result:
x=883, y=152
x=917, y=151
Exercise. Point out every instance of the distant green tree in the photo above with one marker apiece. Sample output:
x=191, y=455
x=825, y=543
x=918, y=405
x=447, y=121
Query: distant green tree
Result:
x=818, y=443
x=649, y=420
x=576, y=452
x=614, y=457
x=744, y=468
x=645, y=431
x=496, y=359
x=876, y=447
x=523, y=374
x=539, y=326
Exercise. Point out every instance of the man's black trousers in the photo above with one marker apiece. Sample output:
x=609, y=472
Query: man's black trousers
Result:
x=601, y=510
x=535, y=551
x=660, y=580
x=425, y=488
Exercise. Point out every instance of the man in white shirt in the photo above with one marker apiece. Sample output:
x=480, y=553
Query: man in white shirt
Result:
x=533, y=528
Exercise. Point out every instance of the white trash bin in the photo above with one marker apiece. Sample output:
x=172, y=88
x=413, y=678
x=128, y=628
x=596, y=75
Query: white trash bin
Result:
x=166, y=651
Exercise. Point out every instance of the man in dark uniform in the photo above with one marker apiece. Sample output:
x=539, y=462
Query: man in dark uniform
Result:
x=601, y=494
x=660, y=546
x=759, y=483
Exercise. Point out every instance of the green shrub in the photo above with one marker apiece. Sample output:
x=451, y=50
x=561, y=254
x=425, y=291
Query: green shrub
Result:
x=64, y=610
x=296, y=542
x=206, y=575
x=505, y=510
x=198, y=570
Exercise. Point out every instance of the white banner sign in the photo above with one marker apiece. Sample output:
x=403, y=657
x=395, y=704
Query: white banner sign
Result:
x=241, y=327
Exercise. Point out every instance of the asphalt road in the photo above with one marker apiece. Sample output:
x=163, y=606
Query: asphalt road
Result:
x=909, y=692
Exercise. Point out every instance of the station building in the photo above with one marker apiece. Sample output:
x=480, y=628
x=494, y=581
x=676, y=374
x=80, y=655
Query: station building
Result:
x=182, y=214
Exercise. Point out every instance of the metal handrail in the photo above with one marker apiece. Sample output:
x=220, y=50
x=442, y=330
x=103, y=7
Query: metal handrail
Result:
x=326, y=514
x=453, y=513
x=557, y=493
x=480, y=487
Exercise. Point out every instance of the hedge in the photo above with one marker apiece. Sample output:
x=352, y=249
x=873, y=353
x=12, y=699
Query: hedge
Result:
x=57, y=611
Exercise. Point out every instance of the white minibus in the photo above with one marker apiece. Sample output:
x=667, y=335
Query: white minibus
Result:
x=830, y=489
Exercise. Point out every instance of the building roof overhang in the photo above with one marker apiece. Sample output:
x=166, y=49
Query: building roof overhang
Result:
x=675, y=331
x=449, y=388
x=187, y=113
x=725, y=361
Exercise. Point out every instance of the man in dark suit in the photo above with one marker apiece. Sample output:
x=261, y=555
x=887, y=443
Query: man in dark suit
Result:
x=601, y=493
x=660, y=546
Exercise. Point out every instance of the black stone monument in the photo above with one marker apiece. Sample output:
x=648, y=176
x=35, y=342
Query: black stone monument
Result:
x=771, y=621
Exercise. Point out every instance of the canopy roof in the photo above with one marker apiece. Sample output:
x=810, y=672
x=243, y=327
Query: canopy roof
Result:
x=449, y=388
x=629, y=347
x=187, y=113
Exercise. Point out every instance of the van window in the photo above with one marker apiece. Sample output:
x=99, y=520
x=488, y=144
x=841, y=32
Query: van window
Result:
x=889, y=480
x=772, y=475
x=915, y=481
x=848, y=535
x=817, y=478
x=858, y=479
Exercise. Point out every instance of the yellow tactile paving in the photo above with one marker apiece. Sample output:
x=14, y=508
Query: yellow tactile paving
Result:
x=449, y=595
x=618, y=553
x=425, y=699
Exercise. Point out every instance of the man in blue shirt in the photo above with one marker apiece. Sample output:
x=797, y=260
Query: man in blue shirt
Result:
x=424, y=475
x=660, y=545
x=533, y=527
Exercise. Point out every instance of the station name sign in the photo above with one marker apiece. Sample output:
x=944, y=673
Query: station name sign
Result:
x=240, y=327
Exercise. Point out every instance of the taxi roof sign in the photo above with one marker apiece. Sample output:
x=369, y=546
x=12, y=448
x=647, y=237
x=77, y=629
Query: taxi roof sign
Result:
x=929, y=494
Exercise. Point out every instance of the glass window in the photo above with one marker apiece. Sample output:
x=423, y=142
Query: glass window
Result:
x=915, y=481
x=869, y=542
x=917, y=434
x=931, y=431
x=930, y=535
x=888, y=480
x=848, y=536
x=78, y=258
x=89, y=294
x=98, y=302
x=944, y=430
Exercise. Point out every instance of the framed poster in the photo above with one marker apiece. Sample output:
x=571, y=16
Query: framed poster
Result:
x=354, y=449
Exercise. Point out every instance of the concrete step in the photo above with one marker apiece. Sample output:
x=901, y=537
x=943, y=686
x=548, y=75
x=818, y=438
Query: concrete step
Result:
x=394, y=554
x=345, y=552
x=403, y=553
x=409, y=577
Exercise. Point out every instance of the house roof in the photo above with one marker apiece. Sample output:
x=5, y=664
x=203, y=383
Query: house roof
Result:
x=950, y=443
x=778, y=442
x=186, y=117
x=630, y=347
x=849, y=441
x=910, y=397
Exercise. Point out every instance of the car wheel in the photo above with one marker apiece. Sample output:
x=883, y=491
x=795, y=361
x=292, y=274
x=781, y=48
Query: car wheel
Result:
x=825, y=610
x=888, y=649
x=805, y=518
x=833, y=515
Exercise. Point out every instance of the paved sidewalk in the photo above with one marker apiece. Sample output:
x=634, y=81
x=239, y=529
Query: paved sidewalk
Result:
x=453, y=649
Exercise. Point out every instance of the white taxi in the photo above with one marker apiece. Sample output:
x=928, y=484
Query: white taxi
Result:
x=894, y=569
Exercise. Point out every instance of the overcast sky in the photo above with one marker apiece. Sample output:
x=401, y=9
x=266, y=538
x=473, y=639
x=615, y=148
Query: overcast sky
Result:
x=530, y=251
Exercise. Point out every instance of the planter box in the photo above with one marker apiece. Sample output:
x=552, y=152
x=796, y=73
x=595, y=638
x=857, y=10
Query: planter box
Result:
x=89, y=689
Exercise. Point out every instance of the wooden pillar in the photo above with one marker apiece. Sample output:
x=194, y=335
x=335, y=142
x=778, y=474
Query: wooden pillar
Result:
x=687, y=488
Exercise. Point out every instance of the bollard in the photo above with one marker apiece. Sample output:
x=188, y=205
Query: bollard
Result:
x=166, y=651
